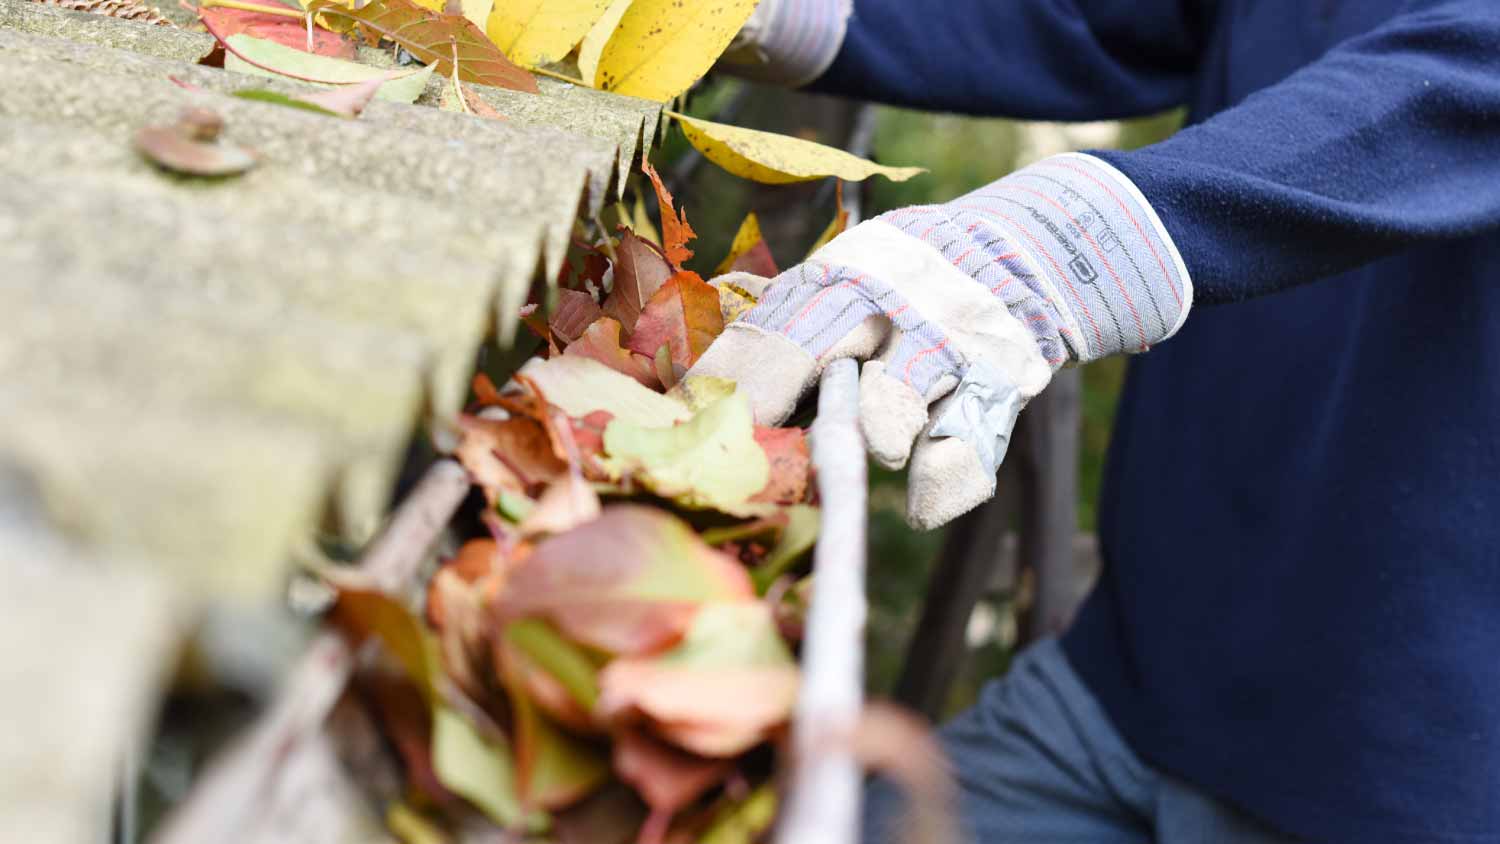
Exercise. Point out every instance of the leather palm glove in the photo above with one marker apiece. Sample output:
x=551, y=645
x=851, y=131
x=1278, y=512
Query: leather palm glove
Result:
x=962, y=312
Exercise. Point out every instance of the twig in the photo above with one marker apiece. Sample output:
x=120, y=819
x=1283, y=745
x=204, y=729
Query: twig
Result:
x=225, y=802
x=823, y=800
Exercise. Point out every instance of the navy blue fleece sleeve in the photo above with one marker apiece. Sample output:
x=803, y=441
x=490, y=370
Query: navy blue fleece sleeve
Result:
x=1037, y=59
x=1390, y=140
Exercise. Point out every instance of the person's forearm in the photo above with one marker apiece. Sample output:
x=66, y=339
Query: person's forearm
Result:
x=1390, y=140
x=1037, y=59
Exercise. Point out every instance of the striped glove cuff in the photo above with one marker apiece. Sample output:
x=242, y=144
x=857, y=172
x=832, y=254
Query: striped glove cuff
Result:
x=789, y=42
x=1074, y=250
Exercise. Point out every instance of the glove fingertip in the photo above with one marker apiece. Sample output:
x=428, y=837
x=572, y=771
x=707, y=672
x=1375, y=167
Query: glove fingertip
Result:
x=947, y=480
x=772, y=371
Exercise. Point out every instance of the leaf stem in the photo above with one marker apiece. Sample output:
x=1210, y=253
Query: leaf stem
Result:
x=561, y=77
x=278, y=10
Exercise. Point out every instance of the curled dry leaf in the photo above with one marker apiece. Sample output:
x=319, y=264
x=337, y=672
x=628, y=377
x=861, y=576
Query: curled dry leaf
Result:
x=435, y=38
x=514, y=455
x=659, y=48
x=191, y=146
x=675, y=231
x=774, y=159
x=565, y=504
x=638, y=598
x=836, y=226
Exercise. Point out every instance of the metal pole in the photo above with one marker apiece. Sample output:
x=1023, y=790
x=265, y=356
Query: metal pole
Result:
x=823, y=800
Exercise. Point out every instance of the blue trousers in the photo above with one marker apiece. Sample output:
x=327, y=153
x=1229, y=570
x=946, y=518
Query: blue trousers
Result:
x=1037, y=762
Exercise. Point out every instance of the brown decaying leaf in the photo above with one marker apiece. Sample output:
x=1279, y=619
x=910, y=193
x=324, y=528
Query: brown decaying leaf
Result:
x=683, y=315
x=190, y=146
x=576, y=311
x=436, y=37
x=638, y=597
x=508, y=455
x=407, y=723
x=791, y=465
x=290, y=32
x=675, y=231
x=601, y=342
x=463, y=637
x=565, y=504
x=475, y=561
x=640, y=270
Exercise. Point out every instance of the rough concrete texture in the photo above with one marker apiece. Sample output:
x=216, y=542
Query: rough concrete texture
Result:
x=203, y=372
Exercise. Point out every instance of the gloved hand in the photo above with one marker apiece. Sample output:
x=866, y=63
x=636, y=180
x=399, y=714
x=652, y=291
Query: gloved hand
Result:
x=788, y=42
x=963, y=311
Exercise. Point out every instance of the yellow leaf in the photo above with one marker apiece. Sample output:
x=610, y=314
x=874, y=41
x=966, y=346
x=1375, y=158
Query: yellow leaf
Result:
x=748, y=235
x=477, y=11
x=778, y=159
x=598, y=35
x=661, y=47
x=539, y=32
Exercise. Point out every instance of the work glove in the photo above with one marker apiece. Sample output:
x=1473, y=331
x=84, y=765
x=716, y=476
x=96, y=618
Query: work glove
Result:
x=788, y=42
x=961, y=313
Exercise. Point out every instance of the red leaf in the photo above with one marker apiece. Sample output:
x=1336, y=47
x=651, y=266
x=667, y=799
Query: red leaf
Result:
x=436, y=37
x=601, y=342
x=675, y=231
x=684, y=315
x=757, y=261
x=791, y=465
x=576, y=311
x=640, y=270
x=286, y=31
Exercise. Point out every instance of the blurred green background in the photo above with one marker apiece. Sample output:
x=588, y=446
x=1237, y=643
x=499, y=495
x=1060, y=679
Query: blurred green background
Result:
x=961, y=154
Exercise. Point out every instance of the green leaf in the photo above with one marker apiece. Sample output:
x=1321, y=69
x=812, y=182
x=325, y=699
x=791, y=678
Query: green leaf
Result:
x=565, y=661
x=743, y=822
x=580, y=386
x=711, y=460
x=797, y=538
x=259, y=57
x=480, y=770
x=275, y=98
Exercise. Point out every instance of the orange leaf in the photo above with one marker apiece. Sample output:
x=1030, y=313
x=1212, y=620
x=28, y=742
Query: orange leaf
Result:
x=507, y=455
x=675, y=231
x=601, y=342
x=684, y=315
x=436, y=37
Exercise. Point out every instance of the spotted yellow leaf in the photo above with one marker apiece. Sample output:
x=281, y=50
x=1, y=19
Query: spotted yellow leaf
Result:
x=661, y=47
x=774, y=159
